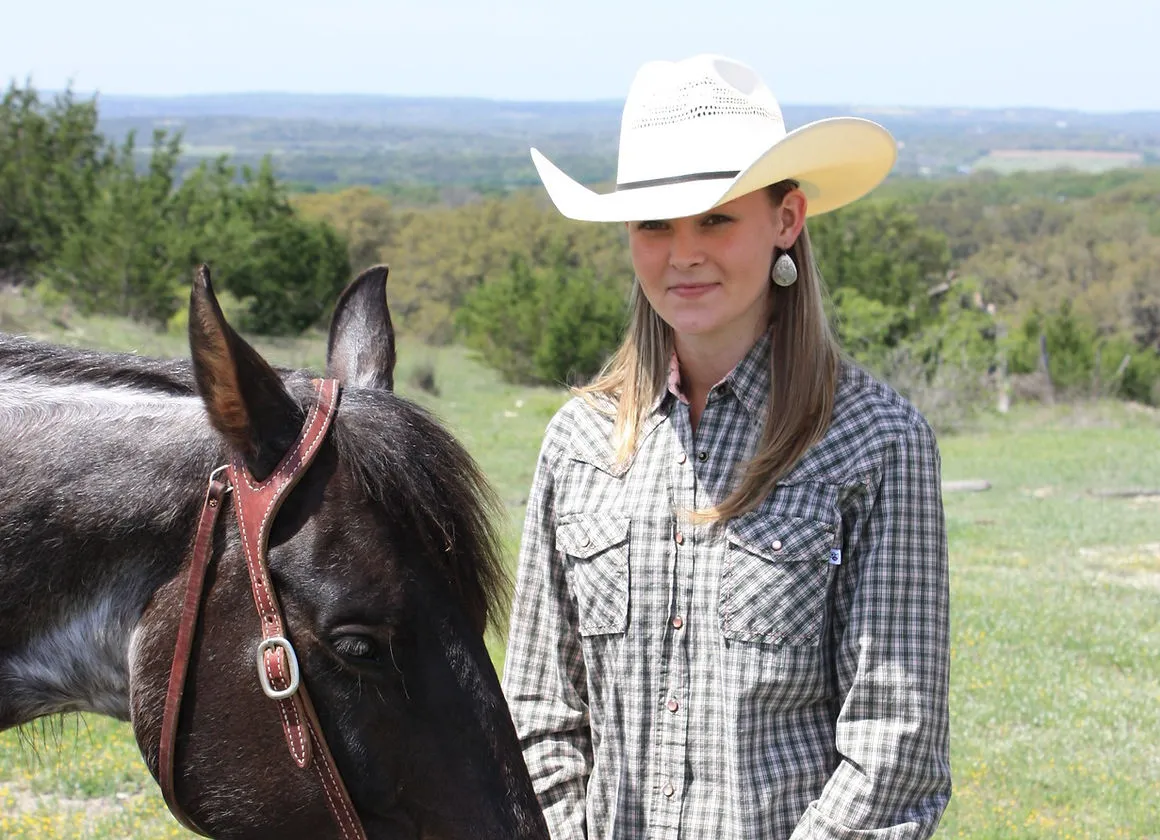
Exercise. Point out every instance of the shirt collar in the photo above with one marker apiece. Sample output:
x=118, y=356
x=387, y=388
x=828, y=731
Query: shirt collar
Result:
x=749, y=381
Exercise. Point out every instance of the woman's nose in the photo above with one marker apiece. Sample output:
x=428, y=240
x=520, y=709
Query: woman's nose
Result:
x=685, y=250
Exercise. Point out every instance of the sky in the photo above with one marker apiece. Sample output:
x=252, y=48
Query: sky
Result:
x=1094, y=55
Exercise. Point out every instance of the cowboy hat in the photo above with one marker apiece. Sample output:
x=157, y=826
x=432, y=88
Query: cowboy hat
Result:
x=706, y=130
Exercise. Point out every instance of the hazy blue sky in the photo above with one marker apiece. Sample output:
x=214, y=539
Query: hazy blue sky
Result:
x=1085, y=54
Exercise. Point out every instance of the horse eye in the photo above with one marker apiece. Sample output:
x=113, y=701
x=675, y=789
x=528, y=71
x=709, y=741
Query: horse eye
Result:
x=357, y=647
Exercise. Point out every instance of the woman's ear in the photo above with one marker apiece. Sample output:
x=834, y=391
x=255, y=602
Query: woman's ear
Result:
x=789, y=219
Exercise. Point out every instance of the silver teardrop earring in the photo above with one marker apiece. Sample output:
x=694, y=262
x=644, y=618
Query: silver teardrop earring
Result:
x=784, y=271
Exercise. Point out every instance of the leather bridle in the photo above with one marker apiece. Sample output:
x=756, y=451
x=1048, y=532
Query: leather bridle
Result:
x=255, y=505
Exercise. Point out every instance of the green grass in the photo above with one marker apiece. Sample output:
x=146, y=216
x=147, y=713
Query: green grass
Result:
x=1055, y=695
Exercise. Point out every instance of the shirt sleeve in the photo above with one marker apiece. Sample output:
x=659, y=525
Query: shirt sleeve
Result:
x=544, y=679
x=893, y=779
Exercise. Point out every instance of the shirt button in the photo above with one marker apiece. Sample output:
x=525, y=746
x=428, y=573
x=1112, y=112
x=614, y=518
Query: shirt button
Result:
x=777, y=545
x=672, y=705
x=680, y=538
x=678, y=622
x=702, y=456
x=585, y=541
x=668, y=789
x=681, y=458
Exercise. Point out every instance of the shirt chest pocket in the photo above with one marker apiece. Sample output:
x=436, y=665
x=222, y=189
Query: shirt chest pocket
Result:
x=773, y=584
x=597, y=548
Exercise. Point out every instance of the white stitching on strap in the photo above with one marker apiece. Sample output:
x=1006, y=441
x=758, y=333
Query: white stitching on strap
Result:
x=339, y=808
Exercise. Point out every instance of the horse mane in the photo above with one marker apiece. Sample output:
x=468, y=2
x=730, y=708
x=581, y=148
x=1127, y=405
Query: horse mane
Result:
x=403, y=458
x=58, y=363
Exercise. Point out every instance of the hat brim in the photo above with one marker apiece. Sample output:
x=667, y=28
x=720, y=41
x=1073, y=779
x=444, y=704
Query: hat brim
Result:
x=835, y=160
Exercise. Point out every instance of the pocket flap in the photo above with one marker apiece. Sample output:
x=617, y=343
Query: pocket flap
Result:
x=781, y=539
x=586, y=535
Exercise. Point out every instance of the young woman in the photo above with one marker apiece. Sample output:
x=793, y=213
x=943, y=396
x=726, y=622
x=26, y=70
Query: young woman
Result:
x=731, y=612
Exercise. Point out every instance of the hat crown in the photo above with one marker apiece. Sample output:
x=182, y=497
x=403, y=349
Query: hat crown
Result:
x=706, y=114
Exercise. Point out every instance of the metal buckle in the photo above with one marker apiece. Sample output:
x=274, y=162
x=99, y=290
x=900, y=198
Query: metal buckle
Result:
x=269, y=690
x=213, y=477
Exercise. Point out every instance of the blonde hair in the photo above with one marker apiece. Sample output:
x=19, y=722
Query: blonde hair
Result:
x=804, y=363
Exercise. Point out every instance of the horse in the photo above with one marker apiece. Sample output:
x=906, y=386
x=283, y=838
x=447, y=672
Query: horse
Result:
x=370, y=579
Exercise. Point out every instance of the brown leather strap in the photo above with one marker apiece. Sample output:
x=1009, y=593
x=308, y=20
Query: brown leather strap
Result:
x=256, y=504
x=337, y=798
x=186, y=630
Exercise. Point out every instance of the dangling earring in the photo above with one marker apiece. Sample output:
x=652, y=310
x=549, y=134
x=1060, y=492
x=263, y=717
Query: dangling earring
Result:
x=784, y=271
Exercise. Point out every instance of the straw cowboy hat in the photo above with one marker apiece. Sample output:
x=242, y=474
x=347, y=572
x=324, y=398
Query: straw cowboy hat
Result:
x=703, y=131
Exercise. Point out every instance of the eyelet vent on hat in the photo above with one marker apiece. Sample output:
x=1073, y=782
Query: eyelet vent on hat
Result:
x=702, y=98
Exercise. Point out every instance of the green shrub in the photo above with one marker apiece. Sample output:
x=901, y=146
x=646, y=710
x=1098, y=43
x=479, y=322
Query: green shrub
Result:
x=551, y=324
x=1081, y=361
x=942, y=366
x=868, y=328
x=1128, y=371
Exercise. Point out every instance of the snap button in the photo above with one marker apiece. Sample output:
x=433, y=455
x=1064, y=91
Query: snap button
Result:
x=668, y=789
x=586, y=542
x=681, y=458
x=702, y=456
x=678, y=622
x=672, y=705
x=776, y=545
x=680, y=538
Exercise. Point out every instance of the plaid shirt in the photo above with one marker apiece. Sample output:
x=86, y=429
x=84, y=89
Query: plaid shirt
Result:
x=782, y=675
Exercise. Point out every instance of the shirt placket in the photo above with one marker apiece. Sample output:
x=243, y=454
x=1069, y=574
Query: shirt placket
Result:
x=672, y=715
x=691, y=459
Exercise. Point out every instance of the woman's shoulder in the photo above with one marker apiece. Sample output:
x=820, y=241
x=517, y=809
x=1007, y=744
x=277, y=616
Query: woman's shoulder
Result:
x=581, y=428
x=869, y=421
x=864, y=400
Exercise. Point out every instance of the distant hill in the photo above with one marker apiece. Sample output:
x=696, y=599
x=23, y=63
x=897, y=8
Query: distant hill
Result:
x=325, y=140
x=441, y=113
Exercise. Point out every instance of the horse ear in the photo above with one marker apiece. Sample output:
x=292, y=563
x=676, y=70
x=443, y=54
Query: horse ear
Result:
x=361, y=348
x=244, y=397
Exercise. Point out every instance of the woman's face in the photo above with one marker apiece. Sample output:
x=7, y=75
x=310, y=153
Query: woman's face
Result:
x=708, y=275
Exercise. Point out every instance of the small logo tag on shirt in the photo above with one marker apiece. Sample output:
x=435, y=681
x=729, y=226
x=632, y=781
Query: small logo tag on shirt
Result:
x=835, y=557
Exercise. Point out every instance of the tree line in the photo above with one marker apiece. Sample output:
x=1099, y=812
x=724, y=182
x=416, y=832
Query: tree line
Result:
x=951, y=289
x=112, y=228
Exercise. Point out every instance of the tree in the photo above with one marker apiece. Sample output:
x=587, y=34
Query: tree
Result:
x=880, y=265
x=287, y=270
x=439, y=255
x=118, y=256
x=135, y=245
x=116, y=231
x=365, y=219
x=552, y=324
x=50, y=159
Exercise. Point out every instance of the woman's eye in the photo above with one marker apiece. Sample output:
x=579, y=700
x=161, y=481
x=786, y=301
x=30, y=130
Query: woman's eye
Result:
x=652, y=224
x=716, y=219
x=357, y=647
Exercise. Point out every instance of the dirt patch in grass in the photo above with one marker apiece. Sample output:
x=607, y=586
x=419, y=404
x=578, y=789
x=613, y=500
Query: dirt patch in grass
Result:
x=21, y=800
x=1135, y=566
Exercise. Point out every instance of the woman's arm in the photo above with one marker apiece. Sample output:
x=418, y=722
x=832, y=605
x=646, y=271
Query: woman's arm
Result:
x=544, y=675
x=892, y=659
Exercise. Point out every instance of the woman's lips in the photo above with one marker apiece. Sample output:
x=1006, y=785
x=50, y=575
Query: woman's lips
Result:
x=692, y=290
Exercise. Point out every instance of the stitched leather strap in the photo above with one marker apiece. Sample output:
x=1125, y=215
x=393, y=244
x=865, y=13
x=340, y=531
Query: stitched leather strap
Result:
x=255, y=505
x=186, y=630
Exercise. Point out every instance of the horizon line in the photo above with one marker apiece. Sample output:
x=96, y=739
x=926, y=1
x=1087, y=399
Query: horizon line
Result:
x=863, y=107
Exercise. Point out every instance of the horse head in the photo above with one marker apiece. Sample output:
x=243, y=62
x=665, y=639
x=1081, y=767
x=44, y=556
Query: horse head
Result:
x=385, y=565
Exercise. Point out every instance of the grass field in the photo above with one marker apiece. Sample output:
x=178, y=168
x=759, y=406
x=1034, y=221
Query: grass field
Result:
x=1006, y=161
x=1055, y=610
